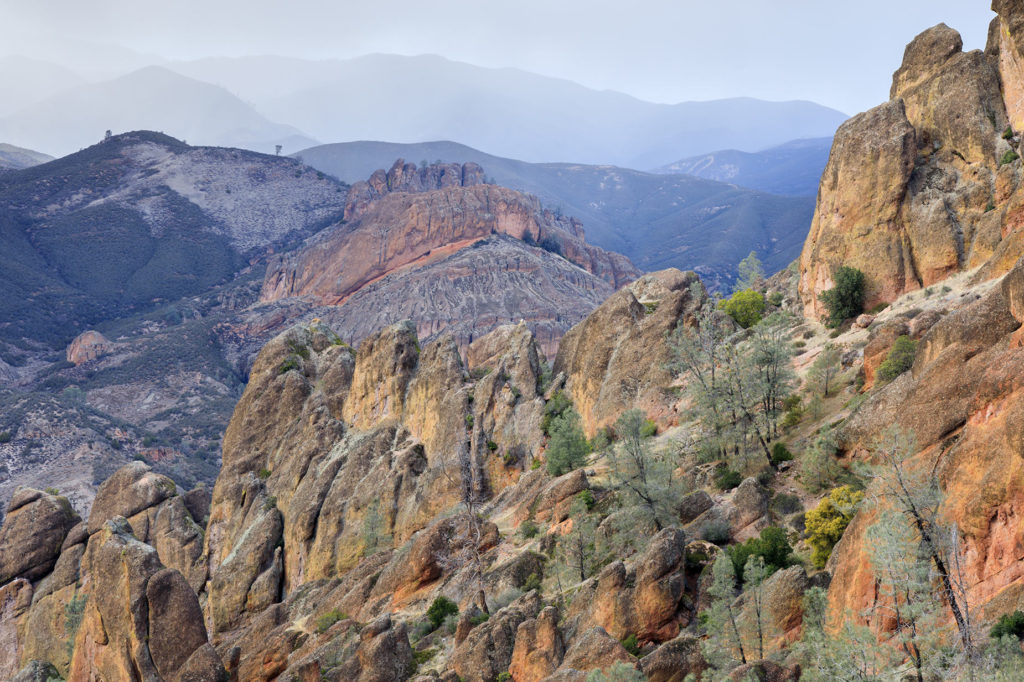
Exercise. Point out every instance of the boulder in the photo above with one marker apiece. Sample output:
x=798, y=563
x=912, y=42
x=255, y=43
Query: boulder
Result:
x=141, y=619
x=674, y=660
x=487, y=650
x=130, y=492
x=87, y=346
x=538, y=649
x=594, y=648
x=32, y=534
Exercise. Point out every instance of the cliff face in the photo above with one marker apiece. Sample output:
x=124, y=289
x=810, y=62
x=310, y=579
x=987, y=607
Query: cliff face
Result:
x=927, y=184
x=963, y=400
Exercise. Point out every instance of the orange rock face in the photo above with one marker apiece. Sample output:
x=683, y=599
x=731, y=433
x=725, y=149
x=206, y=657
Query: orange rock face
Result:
x=921, y=187
x=964, y=402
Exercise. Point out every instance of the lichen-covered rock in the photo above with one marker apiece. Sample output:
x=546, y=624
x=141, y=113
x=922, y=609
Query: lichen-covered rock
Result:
x=645, y=599
x=32, y=534
x=617, y=358
x=964, y=403
x=674, y=660
x=131, y=492
x=141, y=620
x=857, y=220
x=595, y=649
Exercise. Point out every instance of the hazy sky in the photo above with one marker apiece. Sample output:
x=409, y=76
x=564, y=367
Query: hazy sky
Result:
x=835, y=52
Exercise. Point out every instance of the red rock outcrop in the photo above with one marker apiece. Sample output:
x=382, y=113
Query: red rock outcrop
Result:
x=964, y=403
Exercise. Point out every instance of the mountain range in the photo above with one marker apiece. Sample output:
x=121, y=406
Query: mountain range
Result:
x=792, y=169
x=259, y=102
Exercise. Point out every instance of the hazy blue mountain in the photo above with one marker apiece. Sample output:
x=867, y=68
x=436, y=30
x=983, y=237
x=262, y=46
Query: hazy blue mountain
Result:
x=25, y=81
x=656, y=220
x=793, y=168
x=510, y=112
x=16, y=158
x=152, y=98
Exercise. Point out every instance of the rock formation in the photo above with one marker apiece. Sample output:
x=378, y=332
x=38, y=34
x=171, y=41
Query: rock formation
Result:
x=87, y=346
x=616, y=359
x=927, y=184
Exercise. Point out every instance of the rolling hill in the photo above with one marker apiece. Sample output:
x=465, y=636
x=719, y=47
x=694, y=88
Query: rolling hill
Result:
x=793, y=168
x=16, y=158
x=510, y=112
x=656, y=220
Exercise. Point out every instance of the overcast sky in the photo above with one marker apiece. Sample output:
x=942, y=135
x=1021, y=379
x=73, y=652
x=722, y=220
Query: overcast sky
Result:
x=835, y=52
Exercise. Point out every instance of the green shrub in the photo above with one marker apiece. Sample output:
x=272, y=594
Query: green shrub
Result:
x=532, y=582
x=505, y=677
x=649, y=429
x=1009, y=624
x=1009, y=156
x=716, y=531
x=775, y=299
x=5, y=436
x=826, y=522
x=846, y=298
x=324, y=622
x=727, y=479
x=650, y=306
x=441, y=608
x=264, y=474
x=421, y=656
x=786, y=503
x=492, y=446
x=899, y=359
x=780, y=453
x=478, y=618
x=772, y=545
x=554, y=408
x=290, y=363
x=746, y=307
x=587, y=498
x=528, y=529
x=1008, y=133
x=568, y=447
x=632, y=645
x=877, y=308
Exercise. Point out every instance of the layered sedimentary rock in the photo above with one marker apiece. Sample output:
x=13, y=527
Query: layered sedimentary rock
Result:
x=924, y=185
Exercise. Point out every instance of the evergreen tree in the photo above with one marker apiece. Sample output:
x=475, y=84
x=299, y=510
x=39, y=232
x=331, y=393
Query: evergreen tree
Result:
x=750, y=274
x=824, y=370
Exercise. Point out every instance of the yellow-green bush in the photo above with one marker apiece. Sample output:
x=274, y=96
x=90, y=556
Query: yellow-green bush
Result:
x=825, y=523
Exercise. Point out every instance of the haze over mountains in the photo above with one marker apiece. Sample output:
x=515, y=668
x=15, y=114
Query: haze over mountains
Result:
x=258, y=102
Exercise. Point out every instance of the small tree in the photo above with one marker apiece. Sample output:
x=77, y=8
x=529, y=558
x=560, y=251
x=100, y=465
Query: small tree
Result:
x=568, y=447
x=374, y=531
x=846, y=298
x=277, y=149
x=575, y=550
x=899, y=359
x=749, y=273
x=824, y=370
x=818, y=467
x=745, y=306
x=724, y=645
x=617, y=672
x=643, y=476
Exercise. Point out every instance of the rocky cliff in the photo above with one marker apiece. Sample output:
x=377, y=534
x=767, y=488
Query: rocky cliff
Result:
x=927, y=184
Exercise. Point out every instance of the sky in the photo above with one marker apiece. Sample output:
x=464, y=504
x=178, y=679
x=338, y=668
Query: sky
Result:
x=841, y=54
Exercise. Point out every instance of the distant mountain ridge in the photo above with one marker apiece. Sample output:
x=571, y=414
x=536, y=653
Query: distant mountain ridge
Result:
x=152, y=98
x=793, y=168
x=16, y=158
x=656, y=220
x=507, y=111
